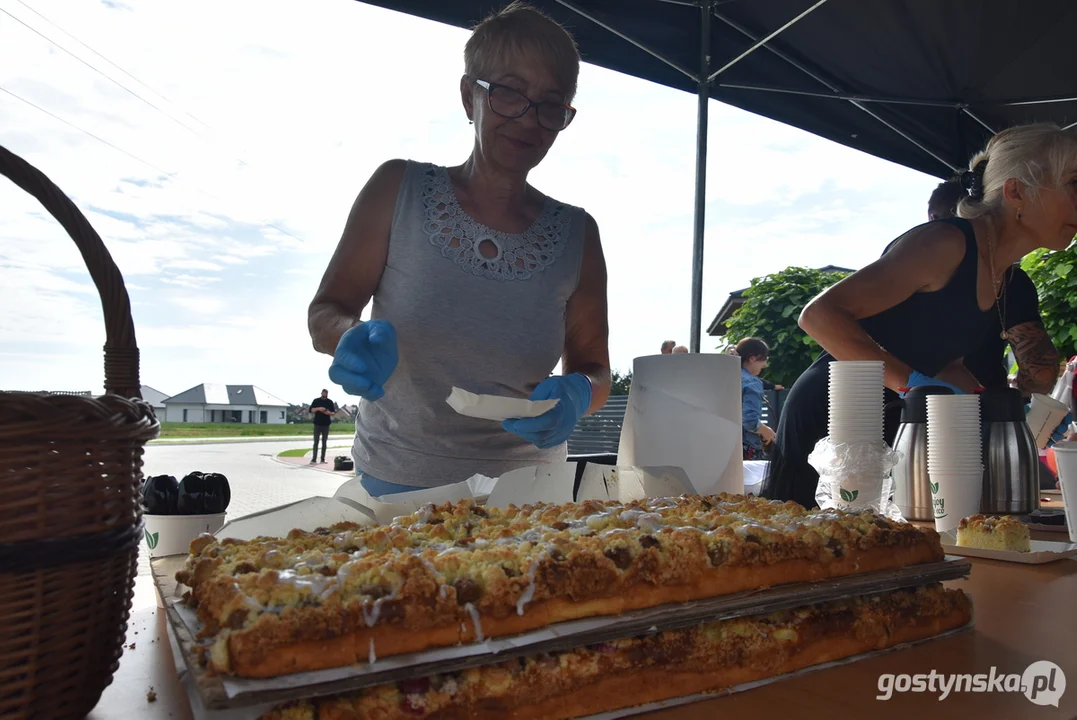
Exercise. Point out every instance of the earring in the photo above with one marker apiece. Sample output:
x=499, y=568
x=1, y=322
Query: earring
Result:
x=472, y=122
x=1018, y=216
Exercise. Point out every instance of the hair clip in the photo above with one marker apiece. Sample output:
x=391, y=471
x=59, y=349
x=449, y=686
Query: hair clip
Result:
x=973, y=181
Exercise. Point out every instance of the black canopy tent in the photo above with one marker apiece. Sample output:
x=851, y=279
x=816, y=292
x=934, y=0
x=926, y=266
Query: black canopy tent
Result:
x=922, y=83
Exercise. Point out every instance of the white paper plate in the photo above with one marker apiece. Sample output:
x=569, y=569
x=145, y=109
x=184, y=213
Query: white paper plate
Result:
x=1041, y=551
x=493, y=407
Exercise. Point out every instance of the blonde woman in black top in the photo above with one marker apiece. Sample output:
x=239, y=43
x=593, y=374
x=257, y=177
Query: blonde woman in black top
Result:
x=931, y=300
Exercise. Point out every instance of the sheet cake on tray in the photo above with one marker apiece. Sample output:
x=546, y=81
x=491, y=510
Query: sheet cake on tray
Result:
x=460, y=573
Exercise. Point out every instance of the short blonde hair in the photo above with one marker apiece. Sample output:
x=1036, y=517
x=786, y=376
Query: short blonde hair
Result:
x=519, y=30
x=1039, y=156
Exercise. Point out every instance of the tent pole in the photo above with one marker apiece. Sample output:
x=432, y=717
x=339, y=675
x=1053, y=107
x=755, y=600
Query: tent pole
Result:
x=974, y=117
x=952, y=104
x=626, y=38
x=760, y=43
x=701, y=173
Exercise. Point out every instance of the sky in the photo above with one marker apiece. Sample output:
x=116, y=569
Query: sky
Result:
x=217, y=148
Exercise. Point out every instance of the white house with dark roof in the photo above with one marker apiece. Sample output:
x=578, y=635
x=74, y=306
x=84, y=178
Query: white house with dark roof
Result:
x=156, y=399
x=215, y=403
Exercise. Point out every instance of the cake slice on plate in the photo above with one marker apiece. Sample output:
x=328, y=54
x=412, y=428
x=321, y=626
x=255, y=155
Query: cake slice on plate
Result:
x=993, y=533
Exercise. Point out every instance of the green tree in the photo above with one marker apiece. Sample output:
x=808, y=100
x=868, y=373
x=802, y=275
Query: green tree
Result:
x=772, y=305
x=621, y=383
x=1055, y=276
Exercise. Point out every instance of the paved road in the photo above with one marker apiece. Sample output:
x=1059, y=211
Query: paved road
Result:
x=257, y=480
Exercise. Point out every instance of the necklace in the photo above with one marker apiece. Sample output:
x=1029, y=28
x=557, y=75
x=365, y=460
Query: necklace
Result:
x=999, y=289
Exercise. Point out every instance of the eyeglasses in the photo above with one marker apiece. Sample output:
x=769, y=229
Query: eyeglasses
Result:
x=509, y=103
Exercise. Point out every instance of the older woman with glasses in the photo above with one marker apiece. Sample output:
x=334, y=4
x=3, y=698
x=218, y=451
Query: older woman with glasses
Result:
x=478, y=281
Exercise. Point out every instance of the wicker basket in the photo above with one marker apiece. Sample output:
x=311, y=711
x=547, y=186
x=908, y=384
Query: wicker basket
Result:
x=70, y=522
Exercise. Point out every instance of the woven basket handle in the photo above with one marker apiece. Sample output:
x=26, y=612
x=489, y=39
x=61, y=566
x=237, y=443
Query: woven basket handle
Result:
x=121, y=351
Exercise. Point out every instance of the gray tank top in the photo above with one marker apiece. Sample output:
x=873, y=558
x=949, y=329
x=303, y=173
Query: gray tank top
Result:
x=487, y=325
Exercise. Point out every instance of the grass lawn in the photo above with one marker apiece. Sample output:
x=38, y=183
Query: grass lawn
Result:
x=226, y=430
x=300, y=452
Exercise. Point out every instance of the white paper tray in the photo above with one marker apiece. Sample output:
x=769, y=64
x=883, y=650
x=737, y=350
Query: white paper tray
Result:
x=1041, y=551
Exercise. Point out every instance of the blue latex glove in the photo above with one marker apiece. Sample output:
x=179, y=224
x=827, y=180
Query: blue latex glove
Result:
x=365, y=358
x=553, y=427
x=918, y=379
x=1060, y=432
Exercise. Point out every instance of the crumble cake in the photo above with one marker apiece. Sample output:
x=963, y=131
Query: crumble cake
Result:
x=459, y=572
x=634, y=671
x=993, y=533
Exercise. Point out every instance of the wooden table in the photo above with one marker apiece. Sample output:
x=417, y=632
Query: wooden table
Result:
x=1023, y=613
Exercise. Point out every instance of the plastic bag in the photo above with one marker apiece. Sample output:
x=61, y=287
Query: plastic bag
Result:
x=856, y=477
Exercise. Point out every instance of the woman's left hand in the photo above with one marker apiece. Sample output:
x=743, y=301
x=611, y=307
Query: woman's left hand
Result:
x=553, y=427
x=918, y=379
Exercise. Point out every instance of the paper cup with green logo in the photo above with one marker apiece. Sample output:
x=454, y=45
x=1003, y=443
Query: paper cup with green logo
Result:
x=856, y=494
x=172, y=534
x=955, y=495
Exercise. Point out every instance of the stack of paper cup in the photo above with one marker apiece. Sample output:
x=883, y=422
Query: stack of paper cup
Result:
x=954, y=458
x=856, y=402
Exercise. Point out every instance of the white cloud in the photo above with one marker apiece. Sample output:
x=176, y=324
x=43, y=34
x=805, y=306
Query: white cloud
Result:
x=199, y=304
x=225, y=207
x=194, y=265
x=190, y=281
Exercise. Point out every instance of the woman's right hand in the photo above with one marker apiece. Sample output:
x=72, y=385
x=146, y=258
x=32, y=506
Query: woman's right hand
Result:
x=365, y=359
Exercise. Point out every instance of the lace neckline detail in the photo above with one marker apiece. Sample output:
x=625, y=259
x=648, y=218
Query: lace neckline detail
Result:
x=517, y=256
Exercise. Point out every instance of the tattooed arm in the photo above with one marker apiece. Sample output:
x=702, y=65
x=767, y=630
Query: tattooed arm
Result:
x=1037, y=358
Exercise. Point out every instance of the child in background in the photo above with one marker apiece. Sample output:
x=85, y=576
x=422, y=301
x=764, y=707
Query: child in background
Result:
x=755, y=433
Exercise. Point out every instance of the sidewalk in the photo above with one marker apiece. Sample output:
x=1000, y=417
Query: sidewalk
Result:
x=222, y=440
x=324, y=467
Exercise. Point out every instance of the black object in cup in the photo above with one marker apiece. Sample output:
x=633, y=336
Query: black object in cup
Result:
x=160, y=494
x=203, y=494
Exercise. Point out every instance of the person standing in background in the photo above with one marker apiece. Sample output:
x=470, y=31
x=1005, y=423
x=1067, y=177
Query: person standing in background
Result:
x=322, y=409
x=667, y=347
x=680, y=349
x=755, y=433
